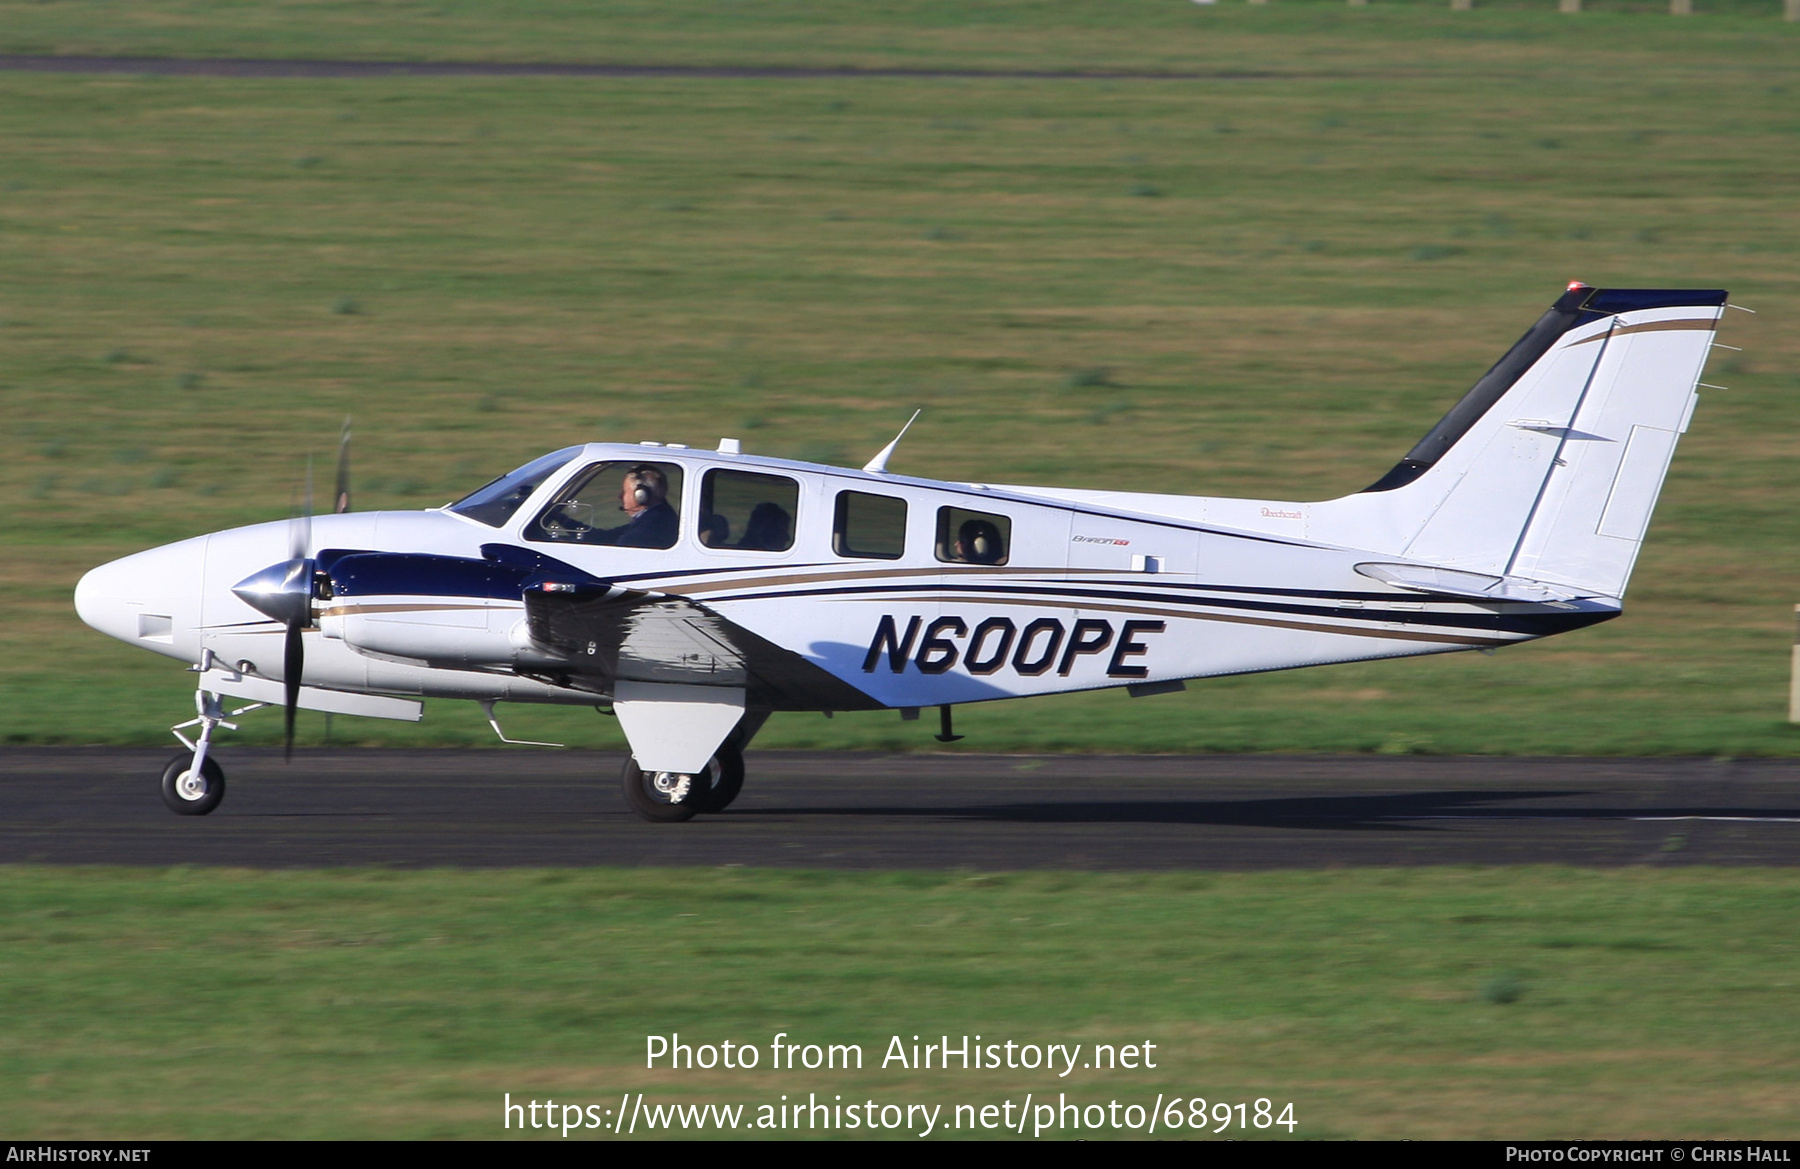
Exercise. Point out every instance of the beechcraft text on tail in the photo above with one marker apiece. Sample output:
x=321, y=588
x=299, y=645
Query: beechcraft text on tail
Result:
x=693, y=592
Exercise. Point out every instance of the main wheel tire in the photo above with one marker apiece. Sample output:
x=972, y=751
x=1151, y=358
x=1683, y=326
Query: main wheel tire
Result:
x=727, y=768
x=188, y=795
x=666, y=797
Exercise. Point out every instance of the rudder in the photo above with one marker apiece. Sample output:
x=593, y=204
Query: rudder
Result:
x=1589, y=521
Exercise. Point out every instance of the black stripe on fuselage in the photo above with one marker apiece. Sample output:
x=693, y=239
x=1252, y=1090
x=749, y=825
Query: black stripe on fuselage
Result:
x=1533, y=624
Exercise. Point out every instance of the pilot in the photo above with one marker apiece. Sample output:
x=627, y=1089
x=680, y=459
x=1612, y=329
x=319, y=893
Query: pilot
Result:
x=644, y=496
x=978, y=542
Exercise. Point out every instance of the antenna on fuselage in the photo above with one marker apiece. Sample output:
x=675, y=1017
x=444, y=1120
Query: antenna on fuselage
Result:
x=878, y=464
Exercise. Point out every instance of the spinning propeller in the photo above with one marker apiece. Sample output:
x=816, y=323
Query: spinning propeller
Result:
x=341, y=503
x=284, y=592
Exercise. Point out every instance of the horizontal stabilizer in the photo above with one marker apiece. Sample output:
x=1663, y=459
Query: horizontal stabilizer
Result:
x=1481, y=586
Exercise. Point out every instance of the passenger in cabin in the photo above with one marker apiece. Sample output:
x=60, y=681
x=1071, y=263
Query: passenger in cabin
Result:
x=769, y=529
x=644, y=496
x=979, y=542
x=715, y=530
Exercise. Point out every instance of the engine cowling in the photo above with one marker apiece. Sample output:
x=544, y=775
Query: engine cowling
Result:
x=439, y=610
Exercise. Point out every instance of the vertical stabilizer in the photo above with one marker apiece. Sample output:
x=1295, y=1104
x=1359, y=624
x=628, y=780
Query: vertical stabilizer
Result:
x=1549, y=467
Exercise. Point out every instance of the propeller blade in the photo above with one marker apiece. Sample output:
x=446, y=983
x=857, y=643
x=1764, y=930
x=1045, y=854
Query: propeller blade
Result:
x=342, y=503
x=296, y=607
x=300, y=527
x=293, y=664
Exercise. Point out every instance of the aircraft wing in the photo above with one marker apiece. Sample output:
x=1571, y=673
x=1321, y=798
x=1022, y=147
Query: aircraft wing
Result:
x=613, y=633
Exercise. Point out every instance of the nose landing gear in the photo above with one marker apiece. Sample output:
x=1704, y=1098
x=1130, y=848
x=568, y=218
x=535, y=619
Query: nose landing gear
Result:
x=192, y=783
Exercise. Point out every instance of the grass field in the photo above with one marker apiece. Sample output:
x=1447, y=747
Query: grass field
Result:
x=1421, y=1004
x=1156, y=35
x=1258, y=287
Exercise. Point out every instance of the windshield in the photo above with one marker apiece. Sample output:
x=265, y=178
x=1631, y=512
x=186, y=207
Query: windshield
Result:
x=495, y=503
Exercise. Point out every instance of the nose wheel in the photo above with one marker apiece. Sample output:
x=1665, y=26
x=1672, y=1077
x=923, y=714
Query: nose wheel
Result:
x=189, y=791
x=669, y=797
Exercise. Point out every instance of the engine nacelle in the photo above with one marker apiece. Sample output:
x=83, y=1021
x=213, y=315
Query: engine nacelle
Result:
x=435, y=631
x=438, y=610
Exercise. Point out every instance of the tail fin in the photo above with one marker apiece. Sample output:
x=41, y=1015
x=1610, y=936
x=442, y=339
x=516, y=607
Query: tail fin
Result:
x=1549, y=467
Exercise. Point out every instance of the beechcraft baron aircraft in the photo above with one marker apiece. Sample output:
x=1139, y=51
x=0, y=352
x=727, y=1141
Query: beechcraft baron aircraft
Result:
x=694, y=592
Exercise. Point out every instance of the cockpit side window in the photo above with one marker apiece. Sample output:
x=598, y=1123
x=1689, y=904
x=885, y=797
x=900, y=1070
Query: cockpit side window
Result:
x=622, y=504
x=869, y=526
x=746, y=511
x=495, y=503
x=973, y=537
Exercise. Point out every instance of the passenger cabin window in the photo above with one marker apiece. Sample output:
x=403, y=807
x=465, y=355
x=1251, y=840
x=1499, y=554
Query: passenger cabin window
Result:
x=870, y=526
x=748, y=512
x=623, y=504
x=494, y=503
x=972, y=537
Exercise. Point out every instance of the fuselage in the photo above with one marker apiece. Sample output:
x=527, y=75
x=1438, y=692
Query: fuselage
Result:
x=907, y=592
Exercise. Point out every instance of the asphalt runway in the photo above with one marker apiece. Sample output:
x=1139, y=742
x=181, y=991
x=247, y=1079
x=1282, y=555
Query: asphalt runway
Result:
x=847, y=810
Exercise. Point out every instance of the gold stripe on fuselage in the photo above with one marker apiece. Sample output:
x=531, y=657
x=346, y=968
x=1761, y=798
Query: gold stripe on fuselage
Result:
x=880, y=574
x=408, y=607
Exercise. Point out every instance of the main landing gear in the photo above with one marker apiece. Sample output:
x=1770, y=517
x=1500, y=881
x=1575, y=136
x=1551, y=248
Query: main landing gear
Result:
x=668, y=797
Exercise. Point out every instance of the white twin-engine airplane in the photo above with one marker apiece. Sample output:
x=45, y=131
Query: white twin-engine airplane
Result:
x=695, y=592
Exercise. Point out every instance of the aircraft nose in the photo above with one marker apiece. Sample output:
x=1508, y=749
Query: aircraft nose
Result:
x=148, y=599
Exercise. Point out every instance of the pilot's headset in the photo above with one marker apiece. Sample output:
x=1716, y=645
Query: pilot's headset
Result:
x=644, y=494
x=983, y=541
